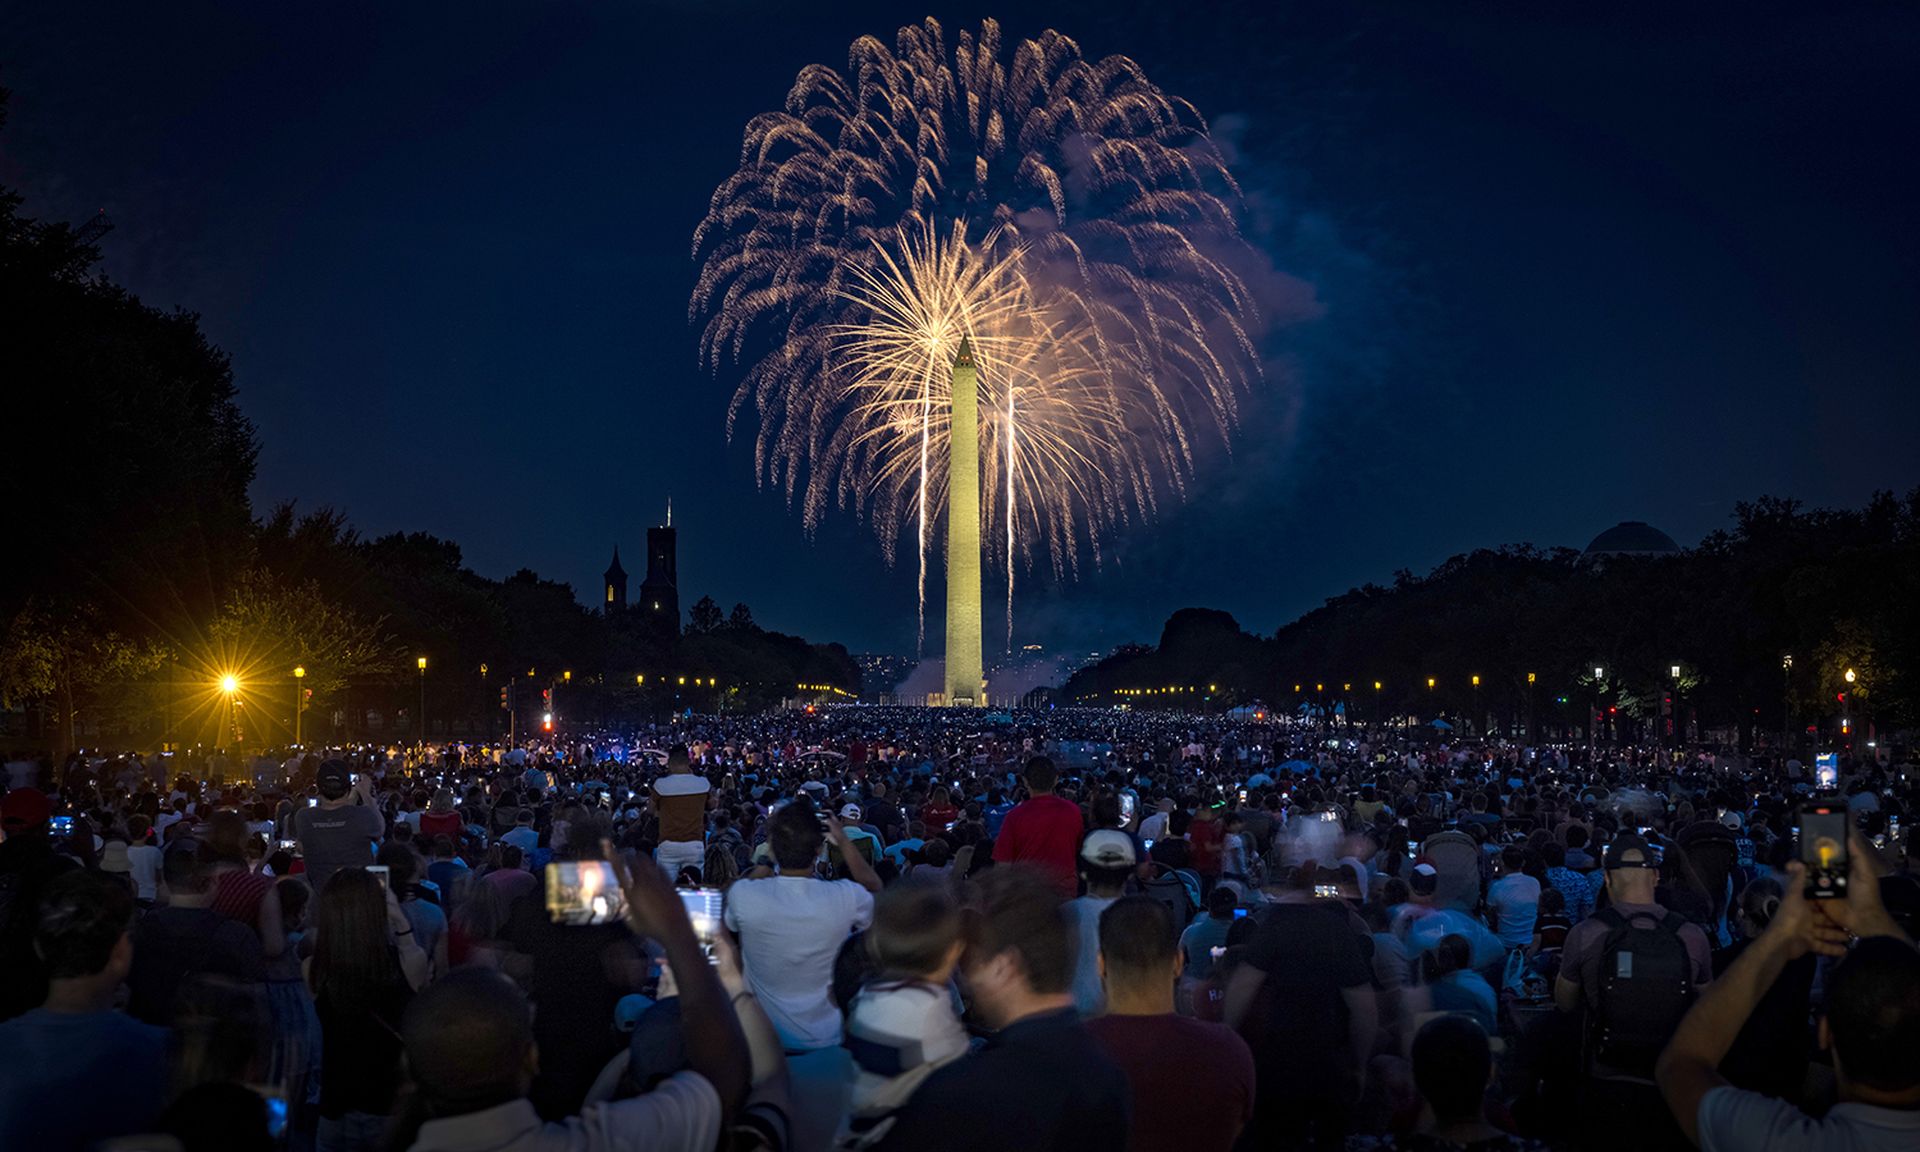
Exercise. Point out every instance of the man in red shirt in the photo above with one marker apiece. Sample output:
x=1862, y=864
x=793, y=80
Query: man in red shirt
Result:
x=1192, y=1081
x=1042, y=830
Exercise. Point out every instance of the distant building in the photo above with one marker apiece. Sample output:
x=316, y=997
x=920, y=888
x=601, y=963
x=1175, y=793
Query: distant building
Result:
x=1629, y=538
x=660, y=591
x=880, y=673
x=614, y=584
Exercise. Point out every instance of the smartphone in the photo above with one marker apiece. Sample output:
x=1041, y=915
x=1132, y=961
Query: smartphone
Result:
x=1147, y=844
x=704, y=907
x=1413, y=847
x=584, y=892
x=313, y=801
x=1826, y=771
x=1823, y=849
x=1243, y=795
x=1240, y=913
x=1326, y=891
x=290, y=845
x=1216, y=953
x=380, y=873
x=61, y=825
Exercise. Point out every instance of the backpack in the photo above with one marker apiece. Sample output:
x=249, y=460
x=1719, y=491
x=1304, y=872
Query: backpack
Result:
x=1168, y=887
x=1646, y=986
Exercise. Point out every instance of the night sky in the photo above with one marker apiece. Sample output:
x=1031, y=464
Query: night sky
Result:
x=1570, y=270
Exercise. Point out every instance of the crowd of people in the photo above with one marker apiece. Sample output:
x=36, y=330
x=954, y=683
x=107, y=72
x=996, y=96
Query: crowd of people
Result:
x=908, y=929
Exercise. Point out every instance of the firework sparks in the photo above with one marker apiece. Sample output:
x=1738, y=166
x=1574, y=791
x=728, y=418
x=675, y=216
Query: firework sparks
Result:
x=1064, y=214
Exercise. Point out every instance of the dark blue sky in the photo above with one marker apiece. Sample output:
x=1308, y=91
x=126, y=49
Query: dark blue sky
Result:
x=1574, y=269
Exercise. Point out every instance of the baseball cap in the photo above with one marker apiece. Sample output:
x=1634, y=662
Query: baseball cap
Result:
x=1425, y=879
x=1617, y=853
x=1108, y=848
x=333, y=777
x=850, y=813
x=25, y=808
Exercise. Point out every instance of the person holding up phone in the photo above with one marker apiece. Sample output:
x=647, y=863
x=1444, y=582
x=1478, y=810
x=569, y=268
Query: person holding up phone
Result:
x=1872, y=1026
x=342, y=830
x=791, y=927
x=469, y=1043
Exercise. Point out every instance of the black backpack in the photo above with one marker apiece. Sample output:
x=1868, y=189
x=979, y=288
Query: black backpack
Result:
x=1646, y=986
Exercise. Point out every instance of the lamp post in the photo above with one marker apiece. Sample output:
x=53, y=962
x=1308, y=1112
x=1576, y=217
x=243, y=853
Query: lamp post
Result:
x=299, y=701
x=1679, y=725
x=1531, y=677
x=1786, y=703
x=1593, y=724
x=229, y=684
x=422, y=663
x=1473, y=726
x=1846, y=727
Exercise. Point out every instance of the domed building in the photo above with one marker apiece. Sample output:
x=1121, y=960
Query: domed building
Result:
x=1629, y=538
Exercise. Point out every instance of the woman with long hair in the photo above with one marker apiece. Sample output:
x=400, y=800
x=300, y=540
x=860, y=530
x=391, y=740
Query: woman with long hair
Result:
x=364, y=969
x=938, y=811
x=241, y=892
x=440, y=818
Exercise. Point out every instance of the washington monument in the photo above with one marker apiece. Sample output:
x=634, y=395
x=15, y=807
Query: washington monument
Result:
x=964, y=672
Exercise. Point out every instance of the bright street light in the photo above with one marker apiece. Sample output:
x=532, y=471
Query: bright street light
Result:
x=1850, y=676
x=229, y=684
x=1599, y=673
x=1675, y=670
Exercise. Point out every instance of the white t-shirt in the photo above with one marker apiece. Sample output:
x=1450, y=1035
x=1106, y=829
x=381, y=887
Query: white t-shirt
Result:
x=143, y=864
x=791, y=928
x=1517, y=900
x=1734, y=1120
x=1083, y=913
x=681, y=1114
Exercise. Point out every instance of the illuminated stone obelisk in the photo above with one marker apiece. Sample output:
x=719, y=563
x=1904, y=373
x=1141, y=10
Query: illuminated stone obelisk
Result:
x=964, y=672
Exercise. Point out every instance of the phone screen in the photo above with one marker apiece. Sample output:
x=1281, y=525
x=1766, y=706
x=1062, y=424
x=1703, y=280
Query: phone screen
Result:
x=61, y=825
x=1823, y=849
x=290, y=845
x=1826, y=771
x=1326, y=891
x=704, y=907
x=380, y=873
x=584, y=892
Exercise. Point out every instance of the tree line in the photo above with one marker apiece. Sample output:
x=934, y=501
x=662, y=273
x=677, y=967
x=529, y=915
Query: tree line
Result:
x=1764, y=620
x=139, y=577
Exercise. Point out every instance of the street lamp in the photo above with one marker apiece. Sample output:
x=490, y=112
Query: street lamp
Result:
x=1850, y=676
x=299, y=701
x=1786, y=702
x=422, y=663
x=1679, y=725
x=1593, y=721
x=229, y=684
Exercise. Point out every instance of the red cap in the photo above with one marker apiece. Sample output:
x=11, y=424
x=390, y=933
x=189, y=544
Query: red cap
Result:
x=24, y=809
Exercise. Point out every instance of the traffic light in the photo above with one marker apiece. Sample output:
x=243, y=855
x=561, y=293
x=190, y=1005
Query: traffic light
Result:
x=506, y=699
x=546, y=697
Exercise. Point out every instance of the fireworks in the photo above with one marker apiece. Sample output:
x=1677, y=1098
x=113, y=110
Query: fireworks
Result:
x=1067, y=216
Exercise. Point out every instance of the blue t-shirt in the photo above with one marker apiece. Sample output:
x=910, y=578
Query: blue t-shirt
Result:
x=71, y=1079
